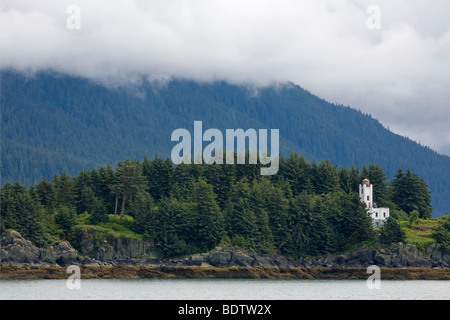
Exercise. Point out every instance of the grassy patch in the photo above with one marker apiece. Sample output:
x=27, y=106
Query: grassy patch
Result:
x=113, y=228
x=420, y=233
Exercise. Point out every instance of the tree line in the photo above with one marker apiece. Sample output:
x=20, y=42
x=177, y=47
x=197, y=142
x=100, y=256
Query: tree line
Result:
x=307, y=209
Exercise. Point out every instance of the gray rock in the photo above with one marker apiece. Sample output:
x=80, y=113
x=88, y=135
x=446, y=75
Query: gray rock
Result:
x=241, y=259
x=65, y=254
x=263, y=261
x=407, y=256
x=220, y=257
x=95, y=250
x=438, y=255
x=87, y=247
x=105, y=252
x=16, y=250
x=197, y=259
x=92, y=244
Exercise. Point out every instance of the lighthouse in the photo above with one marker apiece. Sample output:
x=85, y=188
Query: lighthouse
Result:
x=366, y=193
x=378, y=215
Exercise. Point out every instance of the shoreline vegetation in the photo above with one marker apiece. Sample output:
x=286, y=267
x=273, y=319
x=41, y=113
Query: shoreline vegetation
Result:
x=228, y=222
x=195, y=272
x=307, y=209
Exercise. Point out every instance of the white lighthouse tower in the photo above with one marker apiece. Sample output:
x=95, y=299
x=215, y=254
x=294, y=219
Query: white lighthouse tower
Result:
x=378, y=215
x=366, y=193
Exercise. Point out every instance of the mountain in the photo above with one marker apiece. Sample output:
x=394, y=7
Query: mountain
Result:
x=53, y=123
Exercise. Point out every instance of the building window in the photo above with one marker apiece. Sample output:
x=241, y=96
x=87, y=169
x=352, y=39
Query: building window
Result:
x=368, y=198
x=376, y=214
x=384, y=214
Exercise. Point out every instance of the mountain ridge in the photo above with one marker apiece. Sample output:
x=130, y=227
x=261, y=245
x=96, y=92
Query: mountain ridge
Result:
x=53, y=123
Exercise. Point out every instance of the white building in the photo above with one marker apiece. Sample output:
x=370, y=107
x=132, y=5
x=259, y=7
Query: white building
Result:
x=379, y=215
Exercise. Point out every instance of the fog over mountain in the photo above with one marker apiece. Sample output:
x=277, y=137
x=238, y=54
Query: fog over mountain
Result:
x=396, y=70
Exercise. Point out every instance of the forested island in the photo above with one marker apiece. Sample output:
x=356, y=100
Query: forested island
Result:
x=308, y=209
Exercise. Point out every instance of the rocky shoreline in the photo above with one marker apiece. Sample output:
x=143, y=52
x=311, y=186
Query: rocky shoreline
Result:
x=131, y=258
x=168, y=272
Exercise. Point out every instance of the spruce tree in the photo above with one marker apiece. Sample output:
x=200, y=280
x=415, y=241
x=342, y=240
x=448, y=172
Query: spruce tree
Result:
x=277, y=206
x=46, y=193
x=391, y=232
x=159, y=176
x=144, y=212
x=22, y=212
x=410, y=192
x=263, y=236
x=239, y=215
x=65, y=218
x=208, y=223
x=324, y=177
x=295, y=170
x=169, y=241
x=129, y=181
x=378, y=178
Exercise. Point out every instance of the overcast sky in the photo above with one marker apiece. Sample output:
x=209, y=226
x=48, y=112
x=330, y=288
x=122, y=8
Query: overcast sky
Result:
x=396, y=68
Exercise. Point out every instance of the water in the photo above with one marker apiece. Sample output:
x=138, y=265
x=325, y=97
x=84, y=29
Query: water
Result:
x=218, y=289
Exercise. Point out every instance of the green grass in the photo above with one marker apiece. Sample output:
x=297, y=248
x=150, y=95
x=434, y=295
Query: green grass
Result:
x=113, y=228
x=420, y=233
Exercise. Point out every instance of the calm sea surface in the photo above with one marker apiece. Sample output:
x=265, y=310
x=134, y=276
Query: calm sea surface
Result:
x=193, y=289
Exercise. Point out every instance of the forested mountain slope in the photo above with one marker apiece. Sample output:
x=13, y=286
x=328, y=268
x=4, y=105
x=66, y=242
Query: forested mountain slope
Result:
x=53, y=123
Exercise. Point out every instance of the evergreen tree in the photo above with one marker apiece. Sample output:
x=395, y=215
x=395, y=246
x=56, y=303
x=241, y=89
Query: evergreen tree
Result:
x=144, y=212
x=442, y=233
x=98, y=212
x=65, y=190
x=355, y=179
x=410, y=192
x=129, y=181
x=159, y=176
x=263, y=236
x=22, y=212
x=247, y=171
x=221, y=177
x=295, y=169
x=208, y=217
x=103, y=192
x=391, y=232
x=46, y=193
x=239, y=215
x=81, y=182
x=352, y=224
x=87, y=200
x=345, y=180
x=65, y=218
x=302, y=225
x=277, y=206
x=116, y=191
x=167, y=238
x=184, y=177
x=364, y=173
x=324, y=177
x=321, y=238
x=378, y=178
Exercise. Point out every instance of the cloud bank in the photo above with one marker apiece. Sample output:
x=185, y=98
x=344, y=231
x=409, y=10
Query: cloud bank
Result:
x=399, y=73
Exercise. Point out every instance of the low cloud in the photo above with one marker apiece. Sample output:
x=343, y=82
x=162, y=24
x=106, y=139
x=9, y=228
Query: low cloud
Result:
x=398, y=73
